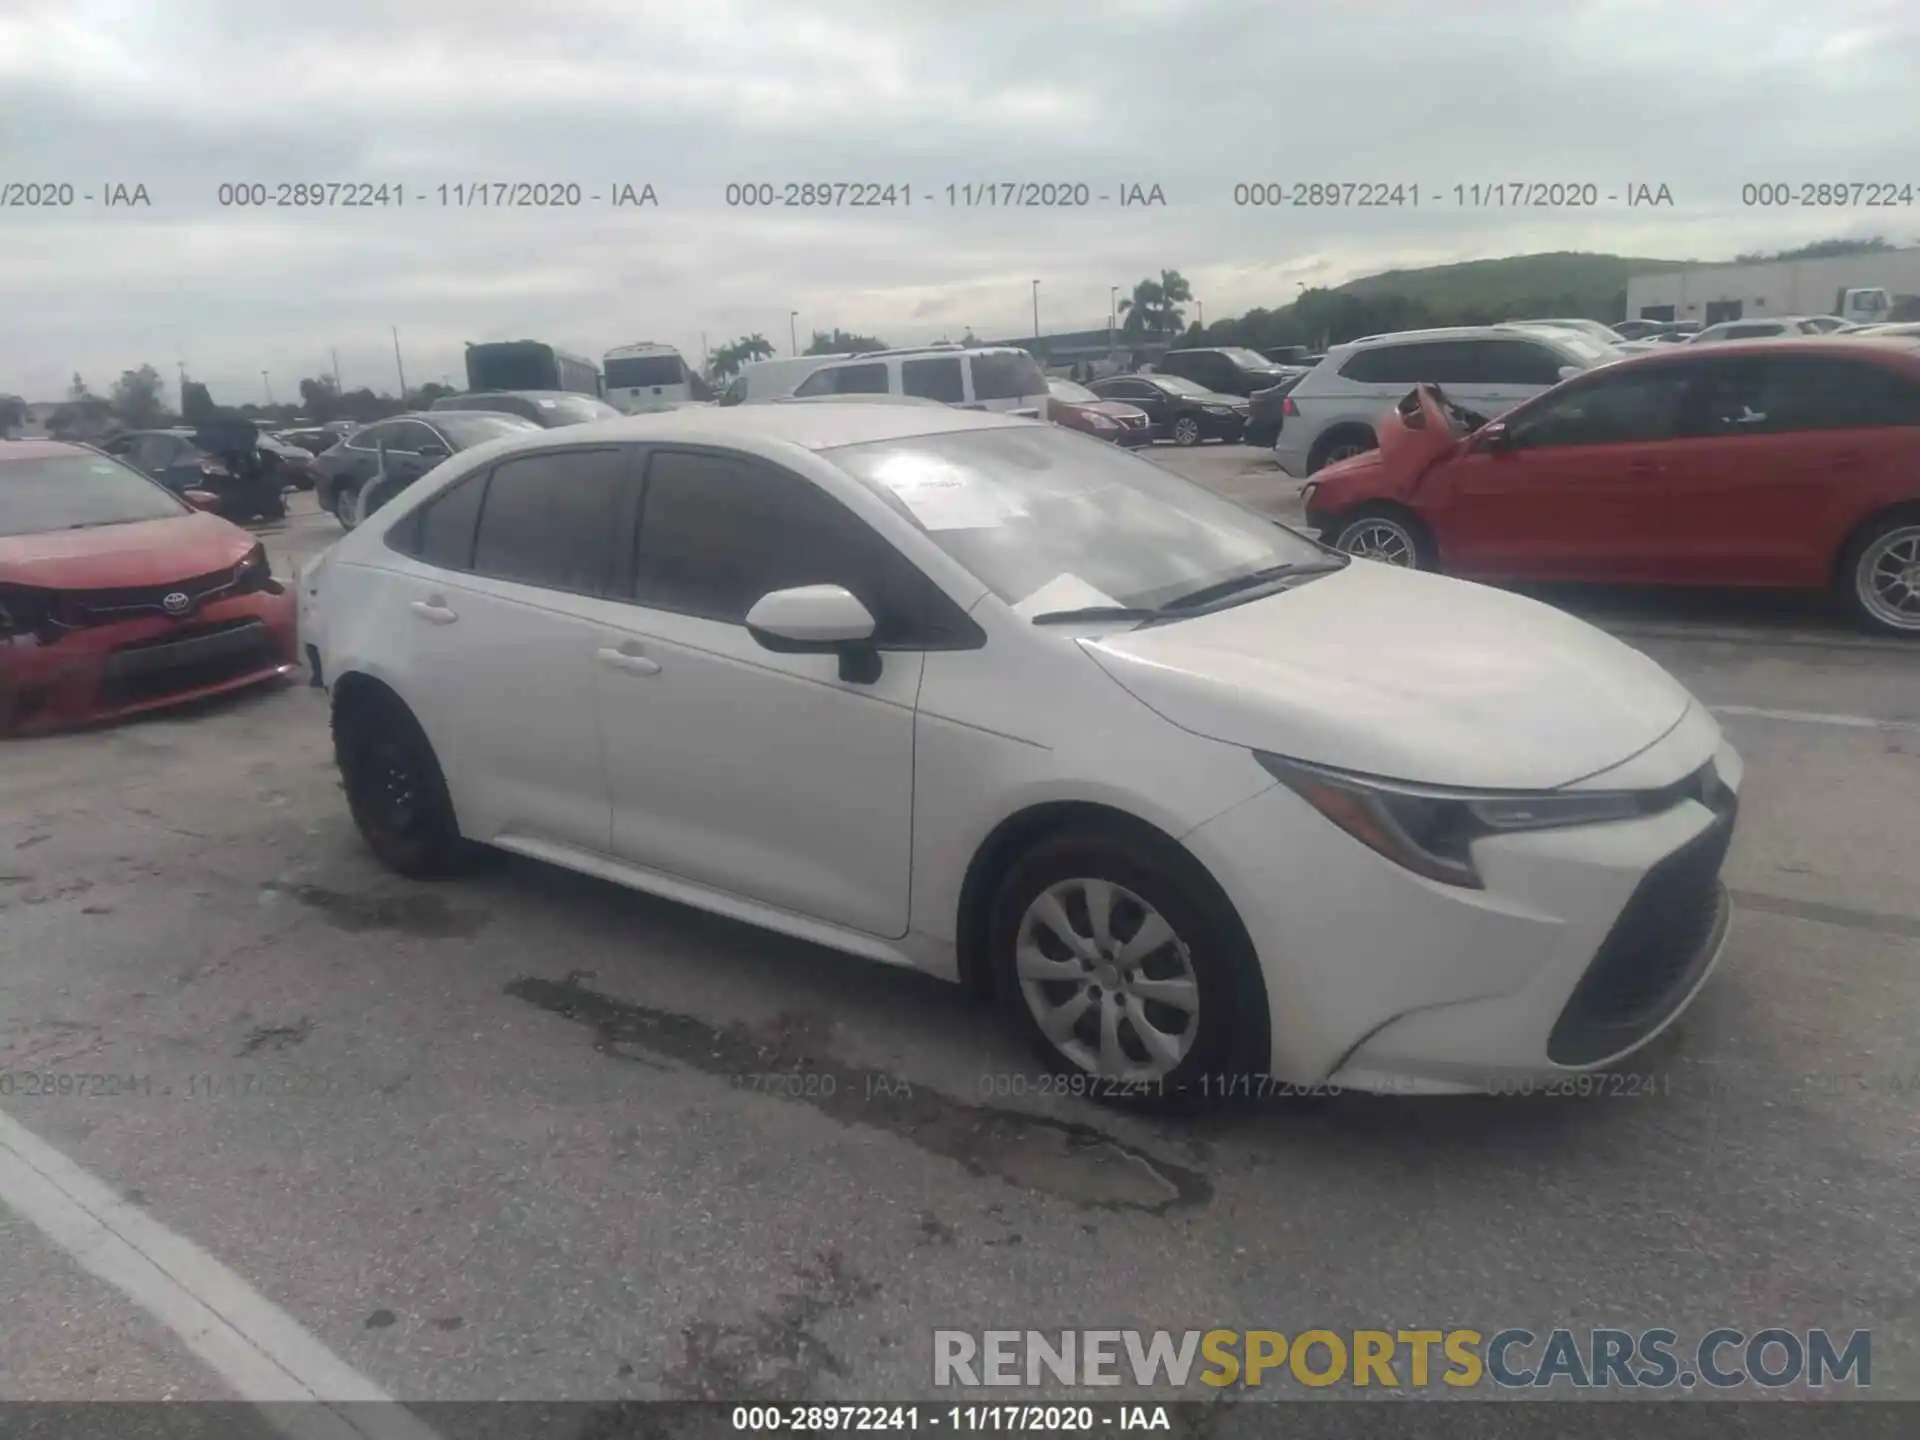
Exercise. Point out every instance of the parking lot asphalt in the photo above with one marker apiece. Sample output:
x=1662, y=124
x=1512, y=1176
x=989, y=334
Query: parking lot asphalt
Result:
x=514, y=1136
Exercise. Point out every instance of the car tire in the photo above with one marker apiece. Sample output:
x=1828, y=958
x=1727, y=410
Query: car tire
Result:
x=1186, y=432
x=1341, y=443
x=1878, y=577
x=396, y=791
x=343, y=505
x=1207, y=951
x=1386, y=533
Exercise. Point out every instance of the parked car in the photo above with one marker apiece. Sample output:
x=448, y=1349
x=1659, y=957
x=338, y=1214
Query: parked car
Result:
x=1593, y=329
x=995, y=377
x=853, y=400
x=1293, y=355
x=177, y=457
x=1193, y=796
x=1330, y=414
x=1891, y=331
x=1780, y=463
x=412, y=444
x=548, y=409
x=1078, y=408
x=1783, y=325
x=316, y=439
x=772, y=379
x=118, y=596
x=1180, y=410
x=1225, y=370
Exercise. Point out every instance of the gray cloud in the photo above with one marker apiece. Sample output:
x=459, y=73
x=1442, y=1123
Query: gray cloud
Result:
x=1194, y=97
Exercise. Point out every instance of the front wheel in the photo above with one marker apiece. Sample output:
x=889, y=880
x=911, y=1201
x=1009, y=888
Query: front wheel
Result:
x=396, y=791
x=1387, y=535
x=1881, y=576
x=1125, y=973
x=1186, y=431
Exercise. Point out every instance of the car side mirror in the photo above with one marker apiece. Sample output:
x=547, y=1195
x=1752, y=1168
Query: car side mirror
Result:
x=818, y=620
x=201, y=499
x=433, y=452
x=1495, y=438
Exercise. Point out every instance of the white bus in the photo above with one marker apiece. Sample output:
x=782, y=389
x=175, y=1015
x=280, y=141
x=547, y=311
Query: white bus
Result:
x=649, y=377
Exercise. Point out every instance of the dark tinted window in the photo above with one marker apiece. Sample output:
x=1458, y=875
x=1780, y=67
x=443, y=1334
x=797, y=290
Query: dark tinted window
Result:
x=372, y=437
x=934, y=379
x=443, y=529
x=547, y=516
x=868, y=379
x=1122, y=389
x=1006, y=376
x=465, y=428
x=1516, y=362
x=1437, y=362
x=1751, y=332
x=1764, y=396
x=1632, y=406
x=641, y=371
x=717, y=533
x=410, y=435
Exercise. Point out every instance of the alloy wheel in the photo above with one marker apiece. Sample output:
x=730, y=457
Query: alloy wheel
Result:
x=1186, y=431
x=1888, y=579
x=1107, y=980
x=1379, y=539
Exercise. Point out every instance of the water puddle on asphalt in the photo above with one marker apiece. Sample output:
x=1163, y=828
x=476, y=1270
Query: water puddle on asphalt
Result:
x=1057, y=1157
x=421, y=914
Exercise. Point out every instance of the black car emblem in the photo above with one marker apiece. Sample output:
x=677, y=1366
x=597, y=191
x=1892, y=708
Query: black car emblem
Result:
x=177, y=602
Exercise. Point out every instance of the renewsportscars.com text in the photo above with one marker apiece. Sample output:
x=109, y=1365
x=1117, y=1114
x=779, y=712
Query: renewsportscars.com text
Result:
x=1599, y=1358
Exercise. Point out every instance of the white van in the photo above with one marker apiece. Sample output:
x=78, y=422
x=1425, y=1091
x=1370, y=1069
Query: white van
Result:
x=1004, y=378
x=773, y=379
x=649, y=377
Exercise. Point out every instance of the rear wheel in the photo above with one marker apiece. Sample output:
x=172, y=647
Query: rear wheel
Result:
x=1387, y=534
x=1880, y=575
x=1122, y=967
x=1341, y=444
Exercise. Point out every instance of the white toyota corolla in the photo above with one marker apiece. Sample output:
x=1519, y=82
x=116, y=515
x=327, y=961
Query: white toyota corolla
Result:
x=1205, y=805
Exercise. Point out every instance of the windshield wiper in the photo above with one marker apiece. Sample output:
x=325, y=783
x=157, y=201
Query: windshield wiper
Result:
x=1253, y=580
x=1095, y=612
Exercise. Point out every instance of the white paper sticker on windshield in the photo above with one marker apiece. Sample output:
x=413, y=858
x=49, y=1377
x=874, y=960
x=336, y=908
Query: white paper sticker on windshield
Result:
x=1063, y=592
x=944, y=497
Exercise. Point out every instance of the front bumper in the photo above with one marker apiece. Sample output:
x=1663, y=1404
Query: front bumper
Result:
x=107, y=672
x=1584, y=945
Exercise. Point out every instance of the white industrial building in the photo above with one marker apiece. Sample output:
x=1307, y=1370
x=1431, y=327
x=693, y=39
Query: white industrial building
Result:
x=1712, y=293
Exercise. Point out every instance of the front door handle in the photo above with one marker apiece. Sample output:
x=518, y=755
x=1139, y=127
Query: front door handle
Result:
x=631, y=661
x=434, y=609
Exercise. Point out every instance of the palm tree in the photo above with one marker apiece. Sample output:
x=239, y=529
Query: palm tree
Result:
x=727, y=360
x=1153, y=311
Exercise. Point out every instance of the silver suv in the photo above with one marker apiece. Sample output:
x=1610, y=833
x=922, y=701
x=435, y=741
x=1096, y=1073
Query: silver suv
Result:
x=1488, y=369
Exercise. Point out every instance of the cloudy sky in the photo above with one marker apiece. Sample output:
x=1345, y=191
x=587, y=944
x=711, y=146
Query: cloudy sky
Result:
x=1195, y=96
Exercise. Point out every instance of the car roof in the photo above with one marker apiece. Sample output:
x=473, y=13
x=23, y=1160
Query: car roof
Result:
x=40, y=449
x=812, y=427
x=1897, y=346
x=1439, y=332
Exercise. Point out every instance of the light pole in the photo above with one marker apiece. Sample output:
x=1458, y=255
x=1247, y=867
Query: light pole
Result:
x=397, y=363
x=334, y=355
x=1201, y=306
x=267, y=386
x=793, y=335
x=1036, y=309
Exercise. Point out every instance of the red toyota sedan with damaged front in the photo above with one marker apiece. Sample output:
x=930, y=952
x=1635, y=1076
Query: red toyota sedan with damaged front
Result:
x=1786, y=464
x=117, y=597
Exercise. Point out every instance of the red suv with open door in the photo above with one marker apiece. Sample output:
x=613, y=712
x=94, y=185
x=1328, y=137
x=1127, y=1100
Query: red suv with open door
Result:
x=1780, y=463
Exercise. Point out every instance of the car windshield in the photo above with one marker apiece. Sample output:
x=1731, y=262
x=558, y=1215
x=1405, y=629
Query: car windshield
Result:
x=73, y=492
x=1068, y=391
x=1050, y=520
x=476, y=427
x=1179, y=383
x=1247, y=359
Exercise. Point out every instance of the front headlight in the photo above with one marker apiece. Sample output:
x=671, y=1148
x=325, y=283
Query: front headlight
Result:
x=1430, y=830
x=1219, y=410
x=255, y=572
x=1102, y=422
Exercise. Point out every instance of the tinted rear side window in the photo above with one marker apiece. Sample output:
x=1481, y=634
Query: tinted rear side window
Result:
x=547, y=517
x=934, y=379
x=442, y=533
x=1006, y=377
x=1766, y=396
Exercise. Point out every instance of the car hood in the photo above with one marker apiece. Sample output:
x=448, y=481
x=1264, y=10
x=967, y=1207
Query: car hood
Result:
x=1406, y=676
x=112, y=557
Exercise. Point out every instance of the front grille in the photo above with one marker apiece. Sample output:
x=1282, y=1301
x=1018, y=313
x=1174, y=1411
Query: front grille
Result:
x=1664, y=937
x=184, y=661
x=104, y=607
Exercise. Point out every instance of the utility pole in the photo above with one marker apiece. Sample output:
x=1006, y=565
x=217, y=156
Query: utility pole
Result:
x=1113, y=316
x=334, y=355
x=793, y=341
x=266, y=385
x=1201, y=306
x=397, y=363
x=705, y=359
x=1036, y=309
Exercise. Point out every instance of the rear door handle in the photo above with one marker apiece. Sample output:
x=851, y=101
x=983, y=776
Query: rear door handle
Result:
x=629, y=660
x=436, y=610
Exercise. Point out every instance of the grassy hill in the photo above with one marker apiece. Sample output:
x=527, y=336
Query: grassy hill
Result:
x=1589, y=284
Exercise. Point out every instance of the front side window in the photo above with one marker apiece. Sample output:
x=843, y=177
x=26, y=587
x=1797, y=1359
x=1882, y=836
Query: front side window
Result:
x=717, y=533
x=934, y=379
x=1638, y=406
x=1517, y=362
x=1039, y=512
x=546, y=518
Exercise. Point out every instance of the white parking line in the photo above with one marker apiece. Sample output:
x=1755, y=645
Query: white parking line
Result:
x=257, y=1348
x=1815, y=717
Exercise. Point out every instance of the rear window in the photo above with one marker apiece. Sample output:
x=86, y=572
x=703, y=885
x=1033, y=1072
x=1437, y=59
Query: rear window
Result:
x=77, y=492
x=573, y=409
x=1006, y=376
x=639, y=372
x=477, y=427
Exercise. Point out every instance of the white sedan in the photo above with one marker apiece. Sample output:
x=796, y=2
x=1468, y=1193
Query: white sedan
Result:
x=1197, y=799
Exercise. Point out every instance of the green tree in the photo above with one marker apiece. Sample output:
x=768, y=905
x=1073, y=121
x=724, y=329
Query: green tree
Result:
x=726, y=362
x=841, y=343
x=13, y=413
x=1153, y=310
x=196, y=402
x=83, y=415
x=136, y=398
x=320, y=398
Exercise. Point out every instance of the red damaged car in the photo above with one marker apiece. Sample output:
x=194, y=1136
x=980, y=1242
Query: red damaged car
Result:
x=116, y=596
x=1078, y=408
x=1788, y=464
